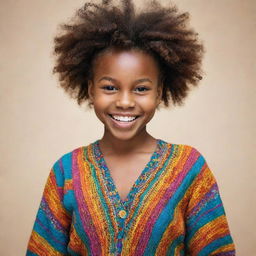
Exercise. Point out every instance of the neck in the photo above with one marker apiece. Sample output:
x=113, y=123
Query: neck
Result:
x=143, y=142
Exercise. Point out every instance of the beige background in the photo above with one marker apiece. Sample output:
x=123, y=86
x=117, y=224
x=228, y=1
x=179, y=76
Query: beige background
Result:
x=39, y=123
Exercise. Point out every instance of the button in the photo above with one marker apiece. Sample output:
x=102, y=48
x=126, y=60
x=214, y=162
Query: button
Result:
x=122, y=214
x=119, y=245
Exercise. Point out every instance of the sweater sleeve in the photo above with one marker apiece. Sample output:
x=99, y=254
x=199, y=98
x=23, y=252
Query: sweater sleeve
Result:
x=207, y=230
x=50, y=234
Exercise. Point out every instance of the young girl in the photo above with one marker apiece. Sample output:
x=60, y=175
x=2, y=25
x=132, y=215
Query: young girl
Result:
x=129, y=193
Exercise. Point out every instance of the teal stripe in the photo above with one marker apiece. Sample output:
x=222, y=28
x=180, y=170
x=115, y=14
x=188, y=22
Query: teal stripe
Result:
x=166, y=216
x=215, y=245
x=64, y=173
x=58, y=174
x=62, y=169
x=67, y=165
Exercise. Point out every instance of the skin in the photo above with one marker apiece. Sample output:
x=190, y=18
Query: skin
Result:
x=116, y=89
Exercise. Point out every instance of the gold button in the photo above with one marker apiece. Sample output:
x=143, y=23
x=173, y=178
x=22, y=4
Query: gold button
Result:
x=122, y=214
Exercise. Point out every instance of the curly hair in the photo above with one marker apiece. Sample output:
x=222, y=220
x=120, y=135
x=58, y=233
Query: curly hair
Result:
x=159, y=31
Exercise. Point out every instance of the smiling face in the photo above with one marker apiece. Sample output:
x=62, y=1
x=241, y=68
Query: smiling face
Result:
x=125, y=92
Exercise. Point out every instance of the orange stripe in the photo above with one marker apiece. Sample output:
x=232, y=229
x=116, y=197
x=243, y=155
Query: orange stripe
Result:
x=38, y=245
x=53, y=200
x=68, y=185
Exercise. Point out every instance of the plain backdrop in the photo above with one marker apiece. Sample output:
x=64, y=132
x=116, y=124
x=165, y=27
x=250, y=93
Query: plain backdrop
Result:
x=39, y=122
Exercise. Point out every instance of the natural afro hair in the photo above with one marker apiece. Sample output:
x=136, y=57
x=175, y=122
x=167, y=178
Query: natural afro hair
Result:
x=160, y=31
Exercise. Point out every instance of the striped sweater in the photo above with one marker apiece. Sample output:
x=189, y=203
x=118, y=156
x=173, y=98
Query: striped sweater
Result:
x=174, y=208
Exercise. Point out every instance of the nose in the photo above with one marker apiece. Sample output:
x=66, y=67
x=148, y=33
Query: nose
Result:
x=125, y=100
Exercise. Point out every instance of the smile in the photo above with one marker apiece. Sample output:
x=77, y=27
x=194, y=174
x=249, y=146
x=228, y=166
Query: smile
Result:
x=124, y=118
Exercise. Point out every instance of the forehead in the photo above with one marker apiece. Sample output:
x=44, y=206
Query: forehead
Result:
x=125, y=63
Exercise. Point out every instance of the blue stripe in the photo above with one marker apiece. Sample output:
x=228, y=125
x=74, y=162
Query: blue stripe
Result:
x=67, y=165
x=58, y=173
x=64, y=172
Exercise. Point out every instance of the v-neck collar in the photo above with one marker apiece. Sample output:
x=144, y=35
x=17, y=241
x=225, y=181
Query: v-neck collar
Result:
x=140, y=181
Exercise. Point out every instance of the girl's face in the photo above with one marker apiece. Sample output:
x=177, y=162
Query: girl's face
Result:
x=125, y=92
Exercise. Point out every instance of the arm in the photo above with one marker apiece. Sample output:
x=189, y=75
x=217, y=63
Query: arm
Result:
x=207, y=231
x=50, y=234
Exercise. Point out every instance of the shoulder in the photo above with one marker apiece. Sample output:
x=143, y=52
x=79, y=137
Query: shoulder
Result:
x=185, y=151
x=192, y=166
x=187, y=159
x=64, y=164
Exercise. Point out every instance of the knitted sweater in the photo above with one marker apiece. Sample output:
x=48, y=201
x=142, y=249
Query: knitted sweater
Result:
x=174, y=208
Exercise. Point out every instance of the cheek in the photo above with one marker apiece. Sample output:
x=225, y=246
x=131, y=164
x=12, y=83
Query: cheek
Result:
x=101, y=102
x=149, y=103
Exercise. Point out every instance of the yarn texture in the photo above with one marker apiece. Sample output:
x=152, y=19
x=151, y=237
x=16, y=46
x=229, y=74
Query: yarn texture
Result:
x=174, y=208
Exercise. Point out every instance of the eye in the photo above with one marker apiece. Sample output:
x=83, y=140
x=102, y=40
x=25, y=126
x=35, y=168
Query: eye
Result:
x=108, y=87
x=141, y=89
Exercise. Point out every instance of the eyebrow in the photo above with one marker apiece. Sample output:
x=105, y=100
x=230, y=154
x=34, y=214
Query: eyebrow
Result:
x=114, y=80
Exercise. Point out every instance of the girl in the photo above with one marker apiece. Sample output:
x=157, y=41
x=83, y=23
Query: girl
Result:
x=129, y=193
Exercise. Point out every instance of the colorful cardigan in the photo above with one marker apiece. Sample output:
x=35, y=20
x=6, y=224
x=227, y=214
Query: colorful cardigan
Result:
x=174, y=208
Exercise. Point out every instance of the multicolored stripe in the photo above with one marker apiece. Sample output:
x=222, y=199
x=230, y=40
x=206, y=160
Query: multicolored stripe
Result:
x=174, y=208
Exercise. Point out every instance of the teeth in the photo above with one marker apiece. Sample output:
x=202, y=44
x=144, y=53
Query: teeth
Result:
x=124, y=118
